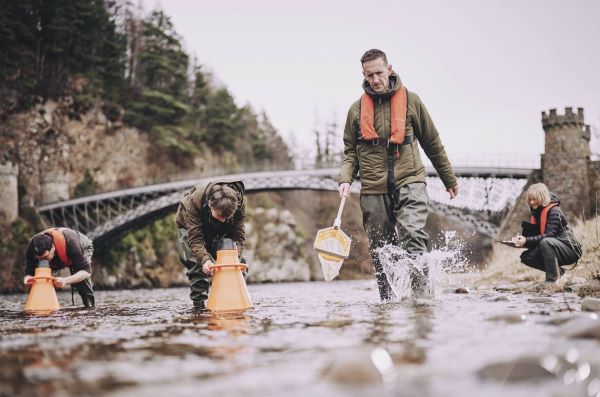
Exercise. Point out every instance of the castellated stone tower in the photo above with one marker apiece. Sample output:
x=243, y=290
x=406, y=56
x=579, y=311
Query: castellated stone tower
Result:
x=566, y=161
x=54, y=186
x=9, y=197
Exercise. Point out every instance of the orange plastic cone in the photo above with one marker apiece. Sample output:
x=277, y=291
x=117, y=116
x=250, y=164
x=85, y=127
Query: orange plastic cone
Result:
x=42, y=298
x=228, y=290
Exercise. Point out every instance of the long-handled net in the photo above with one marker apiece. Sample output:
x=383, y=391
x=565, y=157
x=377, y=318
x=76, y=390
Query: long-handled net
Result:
x=332, y=246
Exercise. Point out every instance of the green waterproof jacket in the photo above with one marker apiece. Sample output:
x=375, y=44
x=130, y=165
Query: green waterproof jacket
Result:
x=194, y=215
x=371, y=161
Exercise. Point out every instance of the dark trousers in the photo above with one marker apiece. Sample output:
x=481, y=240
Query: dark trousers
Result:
x=551, y=253
x=84, y=288
x=199, y=282
x=399, y=223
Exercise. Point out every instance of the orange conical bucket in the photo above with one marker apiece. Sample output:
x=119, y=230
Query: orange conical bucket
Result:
x=228, y=290
x=42, y=298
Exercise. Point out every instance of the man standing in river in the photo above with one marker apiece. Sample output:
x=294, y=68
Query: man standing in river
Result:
x=63, y=248
x=205, y=215
x=382, y=135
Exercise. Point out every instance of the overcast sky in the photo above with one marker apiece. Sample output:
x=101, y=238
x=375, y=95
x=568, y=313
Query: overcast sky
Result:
x=484, y=69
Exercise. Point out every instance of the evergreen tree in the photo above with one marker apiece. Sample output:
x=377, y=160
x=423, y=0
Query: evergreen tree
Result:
x=101, y=49
x=163, y=63
x=46, y=46
x=162, y=78
x=220, y=120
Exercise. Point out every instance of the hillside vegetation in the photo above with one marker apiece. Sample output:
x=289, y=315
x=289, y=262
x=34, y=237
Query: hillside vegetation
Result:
x=77, y=76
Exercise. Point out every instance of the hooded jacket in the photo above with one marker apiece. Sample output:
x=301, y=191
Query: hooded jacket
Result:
x=371, y=161
x=75, y=249
x=556, y=223
x=194, y=215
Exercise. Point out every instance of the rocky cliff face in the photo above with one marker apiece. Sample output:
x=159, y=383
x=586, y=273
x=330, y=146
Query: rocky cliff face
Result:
x=275, y=251
x=275, y=247
x=56, y=144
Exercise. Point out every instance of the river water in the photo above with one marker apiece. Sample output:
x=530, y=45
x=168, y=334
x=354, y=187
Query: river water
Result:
x=319, y=339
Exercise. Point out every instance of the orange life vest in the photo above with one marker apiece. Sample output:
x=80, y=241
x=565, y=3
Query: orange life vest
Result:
x=543, y=217
x=398, y=105
x=60, y=244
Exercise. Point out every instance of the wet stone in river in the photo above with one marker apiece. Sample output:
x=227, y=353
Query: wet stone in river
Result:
x=499, y=298
x=523, y=369
x=508, y=317
x=590, y=305
x=461, y=290
x=541, y=299
x=582, y=327
x=354, y=369
x=503, y=287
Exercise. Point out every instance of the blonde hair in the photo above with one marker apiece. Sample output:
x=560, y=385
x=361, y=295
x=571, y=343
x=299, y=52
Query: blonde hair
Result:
x=540, y=193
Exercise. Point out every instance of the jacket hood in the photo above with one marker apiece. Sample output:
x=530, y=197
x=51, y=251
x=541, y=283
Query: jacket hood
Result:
x=553, y=200
x=395, y=84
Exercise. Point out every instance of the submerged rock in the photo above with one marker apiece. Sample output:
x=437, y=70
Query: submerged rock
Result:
x=509, y=318
x=499, y=298
x=503, y=288
x=561, y=318
x=586, y=327
x=461, y=290
x=356, y=369
x=590, y=305
x=523, y=369
x=333, y=323
x=541, y=299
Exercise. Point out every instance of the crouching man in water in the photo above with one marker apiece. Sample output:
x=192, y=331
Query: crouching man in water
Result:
x=63, y=247
x=552, y=244
x=205, y=215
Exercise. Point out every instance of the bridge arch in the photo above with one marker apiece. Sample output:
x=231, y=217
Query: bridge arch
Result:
x=486, y=195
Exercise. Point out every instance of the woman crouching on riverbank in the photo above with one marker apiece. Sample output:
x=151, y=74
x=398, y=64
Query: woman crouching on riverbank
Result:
x=550, y=242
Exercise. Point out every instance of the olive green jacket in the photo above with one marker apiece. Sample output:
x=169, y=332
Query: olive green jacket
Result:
x=371, y=161
x=194, y=215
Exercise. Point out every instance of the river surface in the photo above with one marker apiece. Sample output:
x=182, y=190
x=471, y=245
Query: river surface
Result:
x=300, y=339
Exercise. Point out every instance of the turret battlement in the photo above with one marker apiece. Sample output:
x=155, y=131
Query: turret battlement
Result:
x=566, y=165
x=9, y=169
x=553, y=120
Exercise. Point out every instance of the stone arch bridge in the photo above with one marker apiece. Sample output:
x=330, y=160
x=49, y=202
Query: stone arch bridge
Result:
x=486, y=195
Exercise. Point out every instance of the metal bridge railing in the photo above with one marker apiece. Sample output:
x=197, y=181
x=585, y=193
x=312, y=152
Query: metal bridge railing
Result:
x=507, y=161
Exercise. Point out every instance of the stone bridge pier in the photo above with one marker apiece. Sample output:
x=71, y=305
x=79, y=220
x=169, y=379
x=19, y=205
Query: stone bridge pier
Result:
x=9, y=198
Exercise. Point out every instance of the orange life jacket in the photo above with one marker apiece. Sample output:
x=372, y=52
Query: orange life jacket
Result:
x=398, y=105
x=543, y=217
x=60, y=244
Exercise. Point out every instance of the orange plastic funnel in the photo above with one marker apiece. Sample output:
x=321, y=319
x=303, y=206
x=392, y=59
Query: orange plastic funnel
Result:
x=228, y=290
x=42, y=298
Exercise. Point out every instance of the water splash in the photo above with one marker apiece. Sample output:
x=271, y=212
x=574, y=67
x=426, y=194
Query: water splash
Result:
x=434, y=270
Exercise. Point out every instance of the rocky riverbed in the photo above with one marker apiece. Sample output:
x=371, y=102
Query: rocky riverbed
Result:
x=309, y=338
